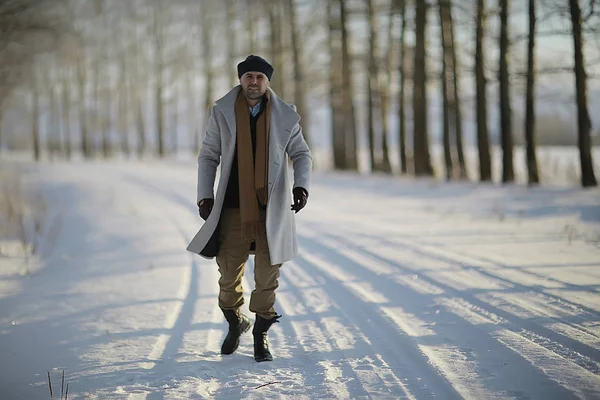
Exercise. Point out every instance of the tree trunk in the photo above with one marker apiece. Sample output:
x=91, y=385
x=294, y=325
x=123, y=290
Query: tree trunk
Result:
x=193, y=134
x=401, y=94
x=175, y=119
x=443, y=7
x=35, y=119
x=66, y=83
x=1, y=128
x=231, y=42
x=53, y=134
x=83, y=121
x=385, y=92
x=584, y=123
x=348, y=94
x=158, y=94
x=299, y=83
x=485, y=168
x=455, y=108
x=138, y=95
x=372, y=82
x=96, y=110
x=336, y=99
x=532, y=169
x=207, y=55
x=124, y=108
x=421, y=145
x=141, y=126
x=508, y=174
x=106, y=99
x=278, y=82
x=250, y=26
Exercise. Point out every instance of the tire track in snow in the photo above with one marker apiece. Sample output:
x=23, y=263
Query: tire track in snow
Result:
x=404, y=358
x=365, y=375
x=302, y=316
x=577, y=379
x=580, y=311
x=487, y=266
x=451, y=352
x=557, y=336
x=161, y=365
x=511, y=322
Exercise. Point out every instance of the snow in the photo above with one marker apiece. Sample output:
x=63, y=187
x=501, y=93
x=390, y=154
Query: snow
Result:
x=403, y=289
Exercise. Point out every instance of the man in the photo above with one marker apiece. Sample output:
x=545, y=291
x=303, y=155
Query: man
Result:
x=250, y=130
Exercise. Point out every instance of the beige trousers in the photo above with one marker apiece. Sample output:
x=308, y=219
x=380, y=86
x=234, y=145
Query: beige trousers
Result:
x=231, y=259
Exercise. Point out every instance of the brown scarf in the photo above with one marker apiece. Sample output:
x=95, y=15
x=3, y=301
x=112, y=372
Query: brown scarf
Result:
x=253, y=170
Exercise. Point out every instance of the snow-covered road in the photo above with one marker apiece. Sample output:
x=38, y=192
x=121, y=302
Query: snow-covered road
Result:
x=403, y=289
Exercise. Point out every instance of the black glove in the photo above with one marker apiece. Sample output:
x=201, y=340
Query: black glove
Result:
x=205, y=207
x=300, y=199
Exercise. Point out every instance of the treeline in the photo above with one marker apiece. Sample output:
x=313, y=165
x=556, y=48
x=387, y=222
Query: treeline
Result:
x=132, y=78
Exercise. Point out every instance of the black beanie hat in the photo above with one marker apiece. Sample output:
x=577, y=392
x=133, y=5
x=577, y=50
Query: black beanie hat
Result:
x=255, y=63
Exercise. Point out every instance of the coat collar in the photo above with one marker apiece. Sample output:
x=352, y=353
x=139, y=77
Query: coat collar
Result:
x=282, y=113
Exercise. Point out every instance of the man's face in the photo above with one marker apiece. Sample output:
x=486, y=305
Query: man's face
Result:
x=254, y=84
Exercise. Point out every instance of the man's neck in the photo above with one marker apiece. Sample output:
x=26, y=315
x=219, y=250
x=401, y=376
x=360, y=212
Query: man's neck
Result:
x=253, y=102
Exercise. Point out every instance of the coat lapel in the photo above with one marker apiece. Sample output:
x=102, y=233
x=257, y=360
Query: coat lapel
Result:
x=283, y=117
x=227, y=106
x=283, y=120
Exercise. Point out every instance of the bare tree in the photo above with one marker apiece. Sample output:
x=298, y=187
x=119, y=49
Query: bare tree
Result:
x=26, y=28
x=583, y=118
x=385, y=90
x=298, y=62
x=275, y=22
x=508, y=174
x=231, y=41
x=82, y=79
x=444, y=8
x=123, y=104
x=54, y=138
x=207, y=54
x=532, y=169
x=138, y=92
x=348, y=94
x=159, y=65
x=336, y=98
x=35, y=116
x=251, y=25
x=485, y=168
x=455, y=106
x=421, y=143
x=66, y=108
x=372, y=83
x=401, y=95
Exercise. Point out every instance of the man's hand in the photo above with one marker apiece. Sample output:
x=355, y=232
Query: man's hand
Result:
x=205, y=207
x=300, y=199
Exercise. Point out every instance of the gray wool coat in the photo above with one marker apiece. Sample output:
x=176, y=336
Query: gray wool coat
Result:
x=285, y=139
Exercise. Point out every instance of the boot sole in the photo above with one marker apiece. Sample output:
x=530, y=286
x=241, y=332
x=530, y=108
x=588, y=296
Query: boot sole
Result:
x=263, y=359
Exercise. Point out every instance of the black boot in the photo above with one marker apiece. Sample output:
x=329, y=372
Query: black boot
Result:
x=238, y=324
x=261, y=344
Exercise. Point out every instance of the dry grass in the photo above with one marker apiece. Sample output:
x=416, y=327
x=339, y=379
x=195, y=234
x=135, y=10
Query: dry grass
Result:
x=22, y=214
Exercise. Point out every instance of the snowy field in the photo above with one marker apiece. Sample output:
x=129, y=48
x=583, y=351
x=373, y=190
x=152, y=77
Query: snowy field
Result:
x=403, y=289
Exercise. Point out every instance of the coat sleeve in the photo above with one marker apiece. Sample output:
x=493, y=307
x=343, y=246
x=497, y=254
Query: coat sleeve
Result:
x=301, y=157
x=209, y=158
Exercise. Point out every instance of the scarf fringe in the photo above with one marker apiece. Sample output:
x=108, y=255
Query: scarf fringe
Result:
x=253, y=230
